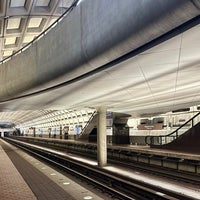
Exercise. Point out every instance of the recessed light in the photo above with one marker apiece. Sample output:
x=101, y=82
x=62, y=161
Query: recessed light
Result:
x=87, y=197
x=66, y=183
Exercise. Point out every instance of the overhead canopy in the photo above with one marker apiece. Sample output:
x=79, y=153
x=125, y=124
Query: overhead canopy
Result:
x=160, y=77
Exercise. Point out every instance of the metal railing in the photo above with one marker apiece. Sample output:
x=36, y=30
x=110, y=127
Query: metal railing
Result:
x=165, y=139
x=75, y=2
x=87, y=124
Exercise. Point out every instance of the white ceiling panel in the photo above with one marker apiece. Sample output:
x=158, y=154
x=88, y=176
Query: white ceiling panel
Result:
x=160, y=70
x=158, y=58
x=185, y=84
x=13, y=23
x=17, y=3
x=65, y=3
x=7, y=53
x=189, y=66
x=128, y=82
x=183, y=92
x=187, y=56
x=189, y=74
x=10, y=40
x=139, y=94
x=130, y=69
x=171, y=44
x=137, y=85
x=28, y=39
x=52, y=21
x=42, y=3
x=34, y=22
x=166, y=88
x=164, y=95
x=191, y=42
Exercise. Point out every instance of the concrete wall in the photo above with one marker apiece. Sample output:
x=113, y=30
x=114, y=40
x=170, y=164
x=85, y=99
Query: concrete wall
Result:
x=94, y=33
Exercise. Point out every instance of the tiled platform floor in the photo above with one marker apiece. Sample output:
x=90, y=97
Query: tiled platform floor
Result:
x=12, y=185
x=45, y=182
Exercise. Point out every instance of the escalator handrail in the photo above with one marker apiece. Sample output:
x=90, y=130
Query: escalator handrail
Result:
x=168, y=135
x=86, y=125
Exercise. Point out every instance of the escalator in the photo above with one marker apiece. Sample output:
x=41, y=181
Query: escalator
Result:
x=188, y=142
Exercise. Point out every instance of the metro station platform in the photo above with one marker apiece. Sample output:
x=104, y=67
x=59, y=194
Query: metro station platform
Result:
x=157, y=151
x=175, y=160
x=76, y=192
x=139, y=149
x=23, y=177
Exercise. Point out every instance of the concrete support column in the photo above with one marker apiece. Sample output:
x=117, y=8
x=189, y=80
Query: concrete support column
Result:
x=60, y=132
x=34, y=132
x=101, y=137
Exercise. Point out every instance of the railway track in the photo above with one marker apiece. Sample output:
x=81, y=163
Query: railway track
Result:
x=117, y=186
x=171, y=174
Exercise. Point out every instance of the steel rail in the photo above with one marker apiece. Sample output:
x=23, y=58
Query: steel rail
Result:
x=118, y=186
x=173, y=174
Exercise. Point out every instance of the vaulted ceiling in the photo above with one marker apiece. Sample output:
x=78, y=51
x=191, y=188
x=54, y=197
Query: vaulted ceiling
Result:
x=161, y=79
x=157, y=80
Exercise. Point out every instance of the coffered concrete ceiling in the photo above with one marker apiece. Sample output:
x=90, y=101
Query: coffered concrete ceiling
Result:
x=22, y=20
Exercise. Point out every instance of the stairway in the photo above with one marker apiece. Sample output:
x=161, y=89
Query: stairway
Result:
x=89, y=127
x=188, y=142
